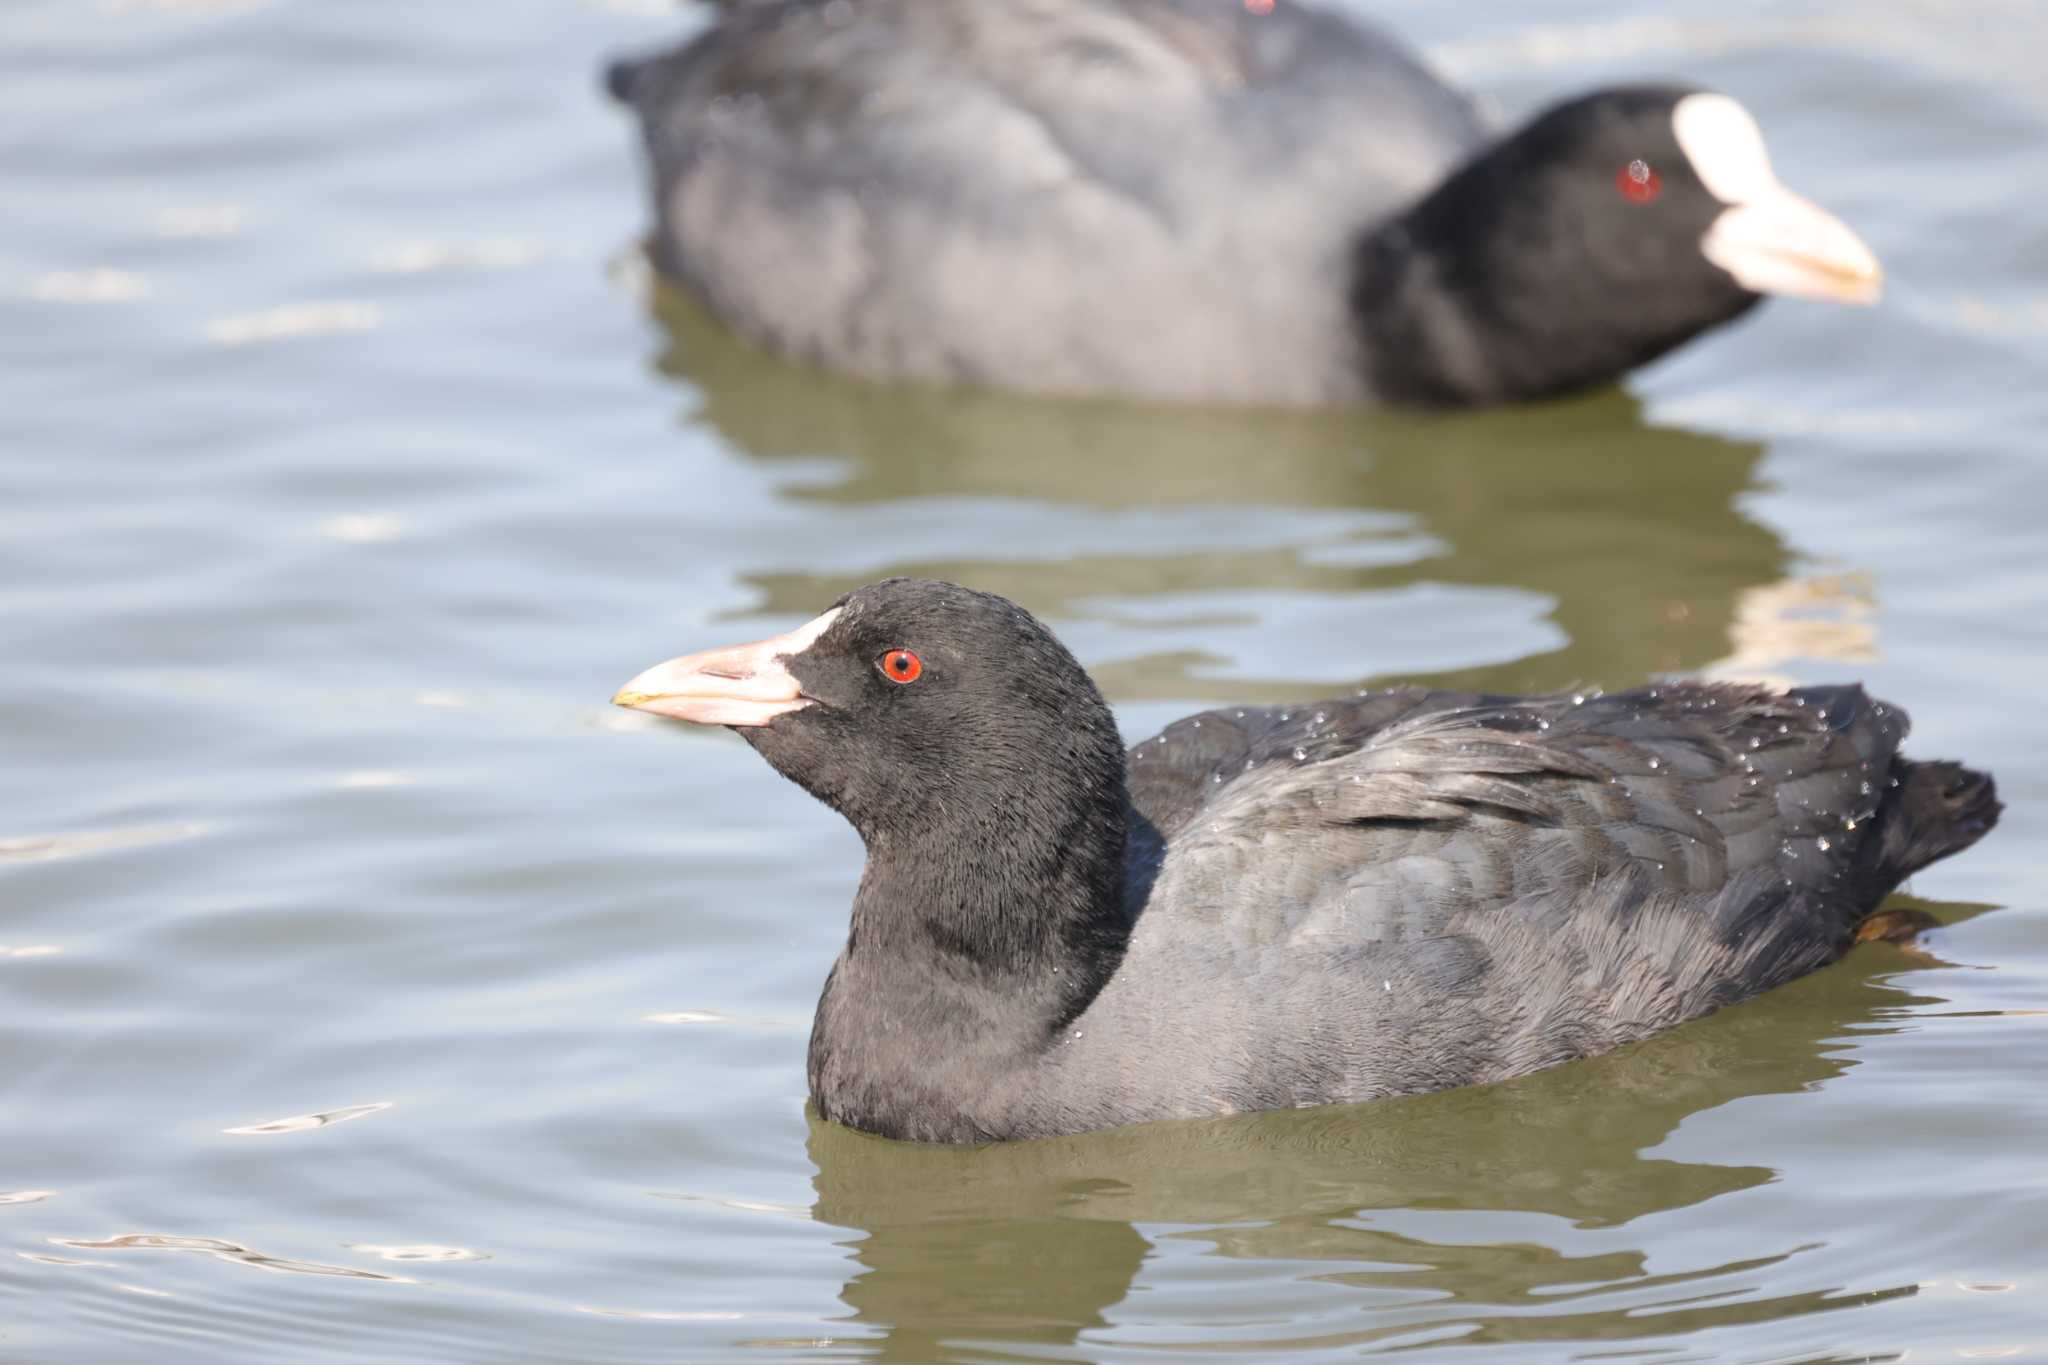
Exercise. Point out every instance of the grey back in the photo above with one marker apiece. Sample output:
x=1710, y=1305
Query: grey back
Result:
x=1149, y=197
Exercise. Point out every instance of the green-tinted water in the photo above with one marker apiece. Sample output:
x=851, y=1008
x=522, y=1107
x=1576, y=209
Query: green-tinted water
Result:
x=347, y=471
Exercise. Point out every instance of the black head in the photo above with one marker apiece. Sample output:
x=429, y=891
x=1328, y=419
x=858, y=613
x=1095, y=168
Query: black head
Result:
x=910, y=706
x=1608, y=230
x=975, y=757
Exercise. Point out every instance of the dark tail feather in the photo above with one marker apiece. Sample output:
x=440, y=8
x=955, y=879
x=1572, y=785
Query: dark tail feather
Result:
x=620, y=77
x=1938, y=809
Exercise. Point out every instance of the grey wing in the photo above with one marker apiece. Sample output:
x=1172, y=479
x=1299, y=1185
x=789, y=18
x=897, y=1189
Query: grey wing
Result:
x=1185, y=767
x=1529, y=881
x=1020, y=193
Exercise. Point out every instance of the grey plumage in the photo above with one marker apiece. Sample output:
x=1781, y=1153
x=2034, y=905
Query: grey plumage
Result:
x=1021, y=194
x=1412, y=891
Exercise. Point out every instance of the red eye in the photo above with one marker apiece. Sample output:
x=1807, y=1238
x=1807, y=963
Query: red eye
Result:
x=1638, y=183
x=900, y=665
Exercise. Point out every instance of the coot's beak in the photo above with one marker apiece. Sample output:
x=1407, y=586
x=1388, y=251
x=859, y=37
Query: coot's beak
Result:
x=1771, y=240
x=1779, y=243
x=741, y=685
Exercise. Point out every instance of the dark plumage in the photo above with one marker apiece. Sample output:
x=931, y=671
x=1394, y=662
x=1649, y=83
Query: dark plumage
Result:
x=1270, y=907
x=1186, y=200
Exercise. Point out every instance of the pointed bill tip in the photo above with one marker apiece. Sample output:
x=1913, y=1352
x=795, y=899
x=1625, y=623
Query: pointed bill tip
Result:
x=1779, y=243
x=741, y=685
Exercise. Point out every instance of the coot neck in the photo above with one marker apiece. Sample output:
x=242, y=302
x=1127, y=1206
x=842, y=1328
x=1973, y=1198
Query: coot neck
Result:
x=978, y=933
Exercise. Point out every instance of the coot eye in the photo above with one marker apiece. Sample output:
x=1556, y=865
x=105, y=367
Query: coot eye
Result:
x=1638, y=183
x=900, y=665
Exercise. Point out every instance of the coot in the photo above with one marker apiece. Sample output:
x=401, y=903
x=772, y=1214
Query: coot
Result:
x=1267, y=907
x=1191, y=200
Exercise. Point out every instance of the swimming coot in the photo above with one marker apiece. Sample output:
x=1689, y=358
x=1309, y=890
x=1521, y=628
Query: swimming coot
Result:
x=1191, y=200
x=1268, y=907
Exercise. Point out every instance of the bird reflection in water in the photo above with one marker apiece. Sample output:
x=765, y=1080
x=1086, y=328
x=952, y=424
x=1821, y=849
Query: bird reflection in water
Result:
x=1628, y=539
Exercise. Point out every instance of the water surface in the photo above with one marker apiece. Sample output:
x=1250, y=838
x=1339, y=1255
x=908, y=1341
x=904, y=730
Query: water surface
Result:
x=373, y=991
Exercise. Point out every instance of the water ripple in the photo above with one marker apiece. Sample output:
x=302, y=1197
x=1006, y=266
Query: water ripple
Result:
x=90, y=286
x=199, y=220
x=418, y=1252
x=225, y=1251
x=740, y=1205
x=300, y=1123
x=294, y=320
x=489, y=253
x=362, y=528
x=716, y=1017
x=37, y=848
x=47, y=1258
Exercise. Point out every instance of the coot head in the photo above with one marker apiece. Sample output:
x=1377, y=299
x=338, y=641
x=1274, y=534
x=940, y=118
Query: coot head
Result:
x=911, y=707
x=1653, y=171
x=1608, y=230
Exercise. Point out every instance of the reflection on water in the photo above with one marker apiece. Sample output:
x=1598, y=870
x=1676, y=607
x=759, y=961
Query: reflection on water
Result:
x=1630, y=536
x=300, y=1123
x=223, y=1250
x=1394, y=1210
x=344, y=491
x=1828, y=616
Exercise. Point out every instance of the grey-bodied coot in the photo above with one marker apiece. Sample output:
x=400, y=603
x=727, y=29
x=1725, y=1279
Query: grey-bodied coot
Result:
x=1196, y=200
x=1268, y=907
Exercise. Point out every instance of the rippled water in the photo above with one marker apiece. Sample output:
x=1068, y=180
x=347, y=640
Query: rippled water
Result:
x=370, y=990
